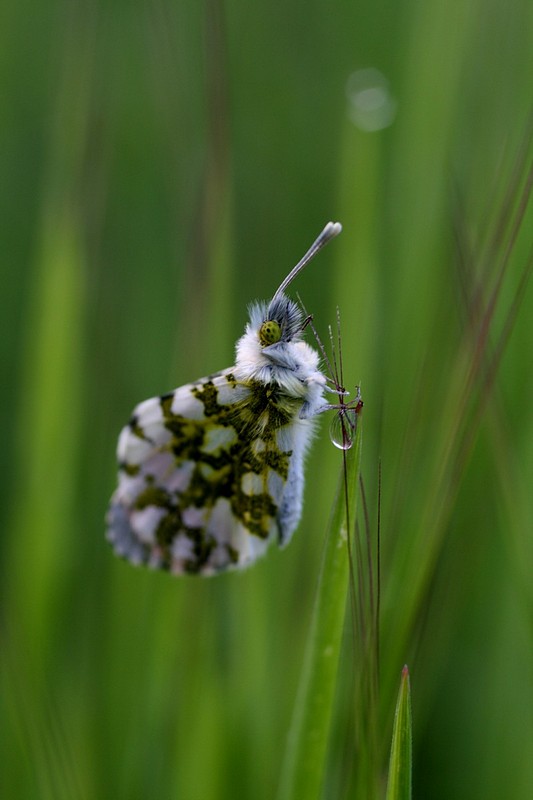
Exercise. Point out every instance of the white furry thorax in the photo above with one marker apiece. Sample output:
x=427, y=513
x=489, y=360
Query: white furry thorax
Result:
x=290, y=363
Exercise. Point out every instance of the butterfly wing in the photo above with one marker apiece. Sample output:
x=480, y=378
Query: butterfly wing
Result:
x=202, y=475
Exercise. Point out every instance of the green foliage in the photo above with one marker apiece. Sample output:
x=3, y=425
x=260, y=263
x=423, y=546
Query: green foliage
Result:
x=399, y=784
x=163, y=164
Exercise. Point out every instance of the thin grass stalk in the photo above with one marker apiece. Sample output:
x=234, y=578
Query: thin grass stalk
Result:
x=303, y=768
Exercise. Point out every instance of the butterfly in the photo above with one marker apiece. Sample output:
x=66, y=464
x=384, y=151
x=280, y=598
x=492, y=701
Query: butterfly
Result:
x=212, y=472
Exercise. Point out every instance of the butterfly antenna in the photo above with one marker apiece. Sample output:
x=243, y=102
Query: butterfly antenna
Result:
x=339, y=347
x=323, y=352
x=331, y=230
x=335, y=370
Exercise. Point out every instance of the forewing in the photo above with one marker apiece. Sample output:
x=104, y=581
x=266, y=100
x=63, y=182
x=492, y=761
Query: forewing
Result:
x=201, y=479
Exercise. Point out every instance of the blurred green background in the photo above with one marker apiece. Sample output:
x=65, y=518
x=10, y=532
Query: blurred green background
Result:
x=163, y=164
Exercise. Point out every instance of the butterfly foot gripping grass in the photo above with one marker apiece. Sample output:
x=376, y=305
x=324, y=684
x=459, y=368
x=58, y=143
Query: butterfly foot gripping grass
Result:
x=211, y=473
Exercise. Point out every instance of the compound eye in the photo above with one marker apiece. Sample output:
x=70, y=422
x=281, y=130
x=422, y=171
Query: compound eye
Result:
x=269, y=332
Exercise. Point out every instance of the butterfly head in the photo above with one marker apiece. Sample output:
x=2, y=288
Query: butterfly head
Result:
x=272, y=344
x=271, y=332
x=272, y=351
x=280, y=321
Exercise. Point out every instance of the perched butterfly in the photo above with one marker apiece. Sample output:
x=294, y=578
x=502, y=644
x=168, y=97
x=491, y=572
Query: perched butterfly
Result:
x=211, y=473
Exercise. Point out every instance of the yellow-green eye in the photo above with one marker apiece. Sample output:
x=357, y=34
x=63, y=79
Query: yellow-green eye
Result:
x=269, y=332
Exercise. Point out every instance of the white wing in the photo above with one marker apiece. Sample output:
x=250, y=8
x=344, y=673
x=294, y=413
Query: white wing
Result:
x=208, y=475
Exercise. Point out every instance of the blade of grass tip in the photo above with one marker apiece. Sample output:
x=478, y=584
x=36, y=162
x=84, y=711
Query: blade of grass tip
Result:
x=399, y=785
x=304, y=763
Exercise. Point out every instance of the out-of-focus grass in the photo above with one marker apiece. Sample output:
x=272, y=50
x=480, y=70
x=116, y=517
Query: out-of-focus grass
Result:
x=164, y=164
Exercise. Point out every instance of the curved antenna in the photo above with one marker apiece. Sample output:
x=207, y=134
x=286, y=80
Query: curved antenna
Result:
x=331, y=230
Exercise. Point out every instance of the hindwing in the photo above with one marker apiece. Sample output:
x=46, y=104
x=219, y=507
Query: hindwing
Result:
x=202, y=476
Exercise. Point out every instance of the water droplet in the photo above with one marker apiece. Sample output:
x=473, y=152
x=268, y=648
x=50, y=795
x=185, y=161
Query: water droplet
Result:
x=342, y=428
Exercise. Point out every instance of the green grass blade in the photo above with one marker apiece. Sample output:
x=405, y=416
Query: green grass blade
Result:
x=303, y=768
x=400, y=768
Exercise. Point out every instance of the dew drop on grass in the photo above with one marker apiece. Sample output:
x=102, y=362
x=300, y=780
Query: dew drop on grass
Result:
x=342, y=428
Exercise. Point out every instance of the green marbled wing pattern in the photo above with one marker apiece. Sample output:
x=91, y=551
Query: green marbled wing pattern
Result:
x=202, y=473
